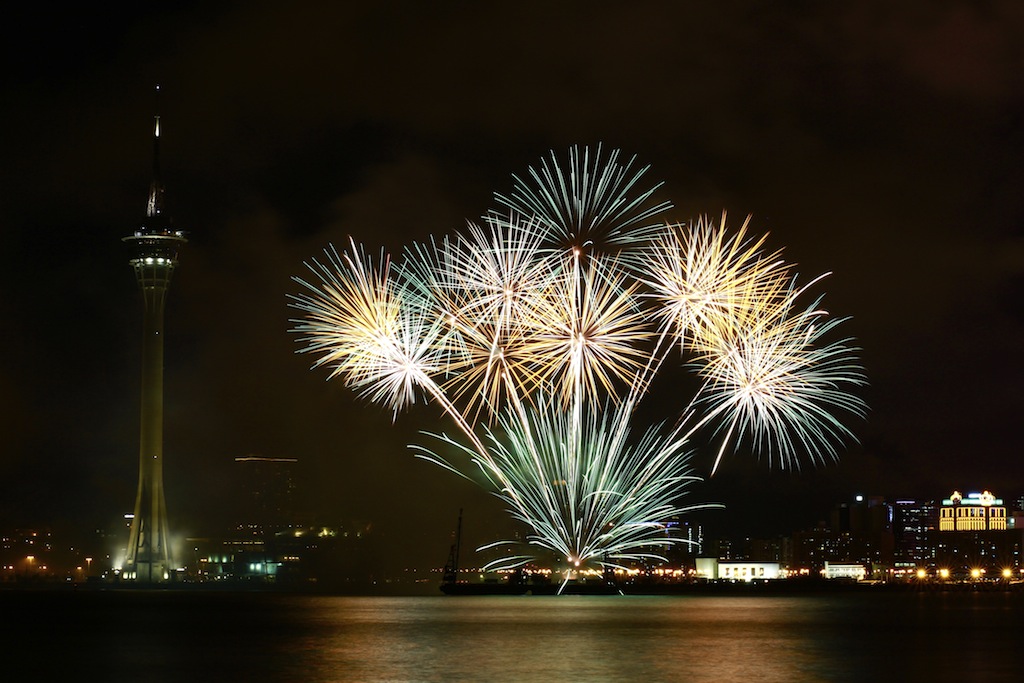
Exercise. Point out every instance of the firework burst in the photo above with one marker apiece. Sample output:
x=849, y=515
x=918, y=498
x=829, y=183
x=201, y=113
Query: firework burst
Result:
x=586, y=490
x=707, y=282
x=539, y=330
x=589, y=201
x=359, y=324
x=778, y=382
x=486, y=288
x=588, y=338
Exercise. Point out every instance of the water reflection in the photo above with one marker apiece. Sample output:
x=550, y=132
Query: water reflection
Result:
x=185, y=636
x=844, y=638
x=567, y=638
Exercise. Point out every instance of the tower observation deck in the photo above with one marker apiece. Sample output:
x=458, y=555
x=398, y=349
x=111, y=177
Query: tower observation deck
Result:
x=154, y=246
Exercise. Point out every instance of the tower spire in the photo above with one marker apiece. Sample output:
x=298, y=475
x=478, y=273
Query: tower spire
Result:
x=155, y=205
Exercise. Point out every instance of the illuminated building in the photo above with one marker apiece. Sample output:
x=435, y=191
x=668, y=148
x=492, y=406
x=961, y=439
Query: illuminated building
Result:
x=714, y=569
x=155, y=247
x=974, y=539
x=845, y=570
x=975, y=512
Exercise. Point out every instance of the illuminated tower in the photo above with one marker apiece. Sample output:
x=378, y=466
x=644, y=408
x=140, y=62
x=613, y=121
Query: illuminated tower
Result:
x=154, y=256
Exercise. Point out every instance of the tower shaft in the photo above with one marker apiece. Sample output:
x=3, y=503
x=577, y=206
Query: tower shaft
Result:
x=148, y=559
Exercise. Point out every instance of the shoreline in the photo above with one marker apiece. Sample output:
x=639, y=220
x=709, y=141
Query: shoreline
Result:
x=722, y=588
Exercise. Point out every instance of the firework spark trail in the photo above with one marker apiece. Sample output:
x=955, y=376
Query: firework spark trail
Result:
x=544, y=326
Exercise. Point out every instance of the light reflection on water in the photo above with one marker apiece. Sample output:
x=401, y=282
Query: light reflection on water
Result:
x=839, y=638
x=568, y=638
x=183, y=636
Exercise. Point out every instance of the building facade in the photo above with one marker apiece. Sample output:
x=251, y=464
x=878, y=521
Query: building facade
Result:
x=973, y=512
x=712, y=568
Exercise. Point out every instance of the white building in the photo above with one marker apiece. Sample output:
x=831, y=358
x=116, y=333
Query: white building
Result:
x=713, y=568
x=845, y=570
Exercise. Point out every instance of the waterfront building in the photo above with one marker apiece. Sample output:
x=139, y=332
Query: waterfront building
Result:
x=714, y=569
x=845, y=570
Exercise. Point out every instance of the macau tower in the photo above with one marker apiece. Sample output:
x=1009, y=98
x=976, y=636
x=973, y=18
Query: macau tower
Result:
x=154, y=246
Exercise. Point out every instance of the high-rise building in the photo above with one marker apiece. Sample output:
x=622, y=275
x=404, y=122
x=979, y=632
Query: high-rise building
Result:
x=913, y=522
x=155, y=246
x=269, y=490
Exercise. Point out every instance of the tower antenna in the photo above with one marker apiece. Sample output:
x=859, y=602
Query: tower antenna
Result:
x=155, y=205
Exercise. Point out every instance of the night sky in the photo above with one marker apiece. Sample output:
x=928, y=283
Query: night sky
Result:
x=879, y=141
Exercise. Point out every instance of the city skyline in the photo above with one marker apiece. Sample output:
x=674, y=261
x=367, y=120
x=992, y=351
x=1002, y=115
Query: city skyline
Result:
x=881, y=146
x=893, y=540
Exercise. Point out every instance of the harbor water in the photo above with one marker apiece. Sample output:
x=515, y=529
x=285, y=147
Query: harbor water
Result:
x=174, y=635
